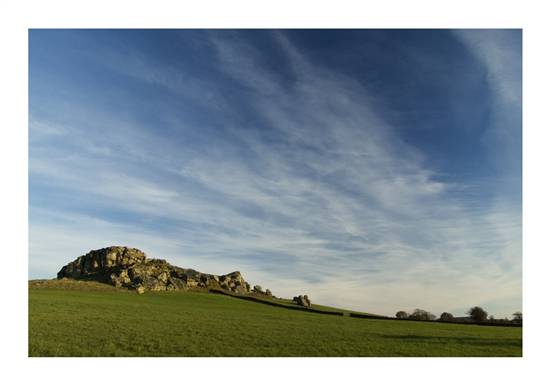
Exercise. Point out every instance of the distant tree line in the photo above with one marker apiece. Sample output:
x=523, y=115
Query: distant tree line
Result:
x=476, y=314
x=417, y=314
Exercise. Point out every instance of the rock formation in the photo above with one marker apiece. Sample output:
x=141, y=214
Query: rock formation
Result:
x=130, y=268
x=257, y=289
x=302, y=300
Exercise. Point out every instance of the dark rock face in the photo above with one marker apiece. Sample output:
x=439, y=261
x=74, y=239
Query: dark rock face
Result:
x=127, y=267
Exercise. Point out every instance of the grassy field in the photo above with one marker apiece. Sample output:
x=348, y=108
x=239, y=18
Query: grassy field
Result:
x=91, y=319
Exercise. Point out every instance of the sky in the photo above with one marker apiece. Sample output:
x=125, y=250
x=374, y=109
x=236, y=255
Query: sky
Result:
x=376, y=170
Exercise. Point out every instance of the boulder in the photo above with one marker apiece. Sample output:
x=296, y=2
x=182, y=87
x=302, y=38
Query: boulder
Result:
x=302, y=300
x=234, y=282
x=257, y=289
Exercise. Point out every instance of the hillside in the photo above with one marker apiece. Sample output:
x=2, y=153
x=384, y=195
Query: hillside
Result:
x=129, y=268
x=86, y=318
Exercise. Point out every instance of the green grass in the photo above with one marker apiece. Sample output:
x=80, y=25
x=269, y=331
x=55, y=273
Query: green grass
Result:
x=90, y=319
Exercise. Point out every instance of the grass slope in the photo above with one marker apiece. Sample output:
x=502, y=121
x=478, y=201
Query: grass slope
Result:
x=91, y=319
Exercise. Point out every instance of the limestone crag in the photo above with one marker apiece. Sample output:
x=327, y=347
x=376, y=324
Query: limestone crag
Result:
x=128, y=267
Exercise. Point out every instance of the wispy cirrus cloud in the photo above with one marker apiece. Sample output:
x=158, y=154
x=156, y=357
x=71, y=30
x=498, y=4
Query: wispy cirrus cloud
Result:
x=316, y=192
x=499, y=51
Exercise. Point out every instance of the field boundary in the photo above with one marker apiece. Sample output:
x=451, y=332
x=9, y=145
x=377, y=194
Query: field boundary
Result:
x=358, y=315
x=271, y=303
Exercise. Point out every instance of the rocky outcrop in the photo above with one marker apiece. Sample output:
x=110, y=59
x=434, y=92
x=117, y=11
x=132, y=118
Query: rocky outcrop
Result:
x=302, y=300
x=130, y=268
x=257, y=289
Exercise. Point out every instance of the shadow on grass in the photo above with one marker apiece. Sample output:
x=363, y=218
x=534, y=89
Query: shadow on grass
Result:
x=500, y=342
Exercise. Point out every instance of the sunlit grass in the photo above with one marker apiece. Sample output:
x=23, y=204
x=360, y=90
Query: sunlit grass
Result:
x=76, y=321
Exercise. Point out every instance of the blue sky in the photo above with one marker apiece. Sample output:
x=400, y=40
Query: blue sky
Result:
x=378, y=170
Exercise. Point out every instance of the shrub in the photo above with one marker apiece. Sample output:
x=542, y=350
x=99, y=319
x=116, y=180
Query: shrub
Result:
x=401, y=314
x=446, y=316
x=422, y=315
x=477, y=314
